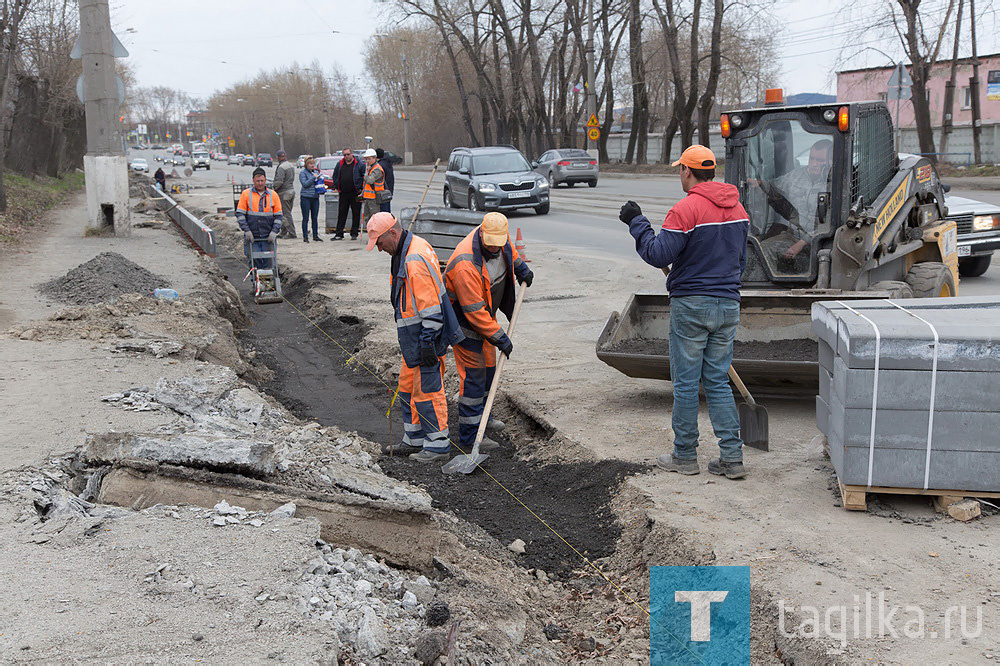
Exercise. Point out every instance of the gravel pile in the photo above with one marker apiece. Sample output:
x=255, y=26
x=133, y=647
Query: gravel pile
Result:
x=104, y=278
x=375, y=609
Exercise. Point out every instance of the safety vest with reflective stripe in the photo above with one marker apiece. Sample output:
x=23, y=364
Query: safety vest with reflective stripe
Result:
x=371, y=189
x=424, y=317
x=259, y=212
x=468, y=283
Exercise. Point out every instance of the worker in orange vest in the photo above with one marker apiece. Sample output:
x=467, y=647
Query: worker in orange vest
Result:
x=480, y=280
x=426, y=326
x=259, y=216
x=374, y=192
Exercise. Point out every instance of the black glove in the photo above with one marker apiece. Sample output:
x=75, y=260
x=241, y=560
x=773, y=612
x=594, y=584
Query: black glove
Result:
x=629, y=211
x=506, y=346
x=248, y=236
x=428, y=357
x=526, y=278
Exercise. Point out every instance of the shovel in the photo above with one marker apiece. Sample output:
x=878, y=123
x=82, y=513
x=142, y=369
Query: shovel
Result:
x=468, y=462
x=753, y=417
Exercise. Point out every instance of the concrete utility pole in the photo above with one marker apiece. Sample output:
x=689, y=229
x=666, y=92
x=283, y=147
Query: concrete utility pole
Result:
x=105, y=165
x=977, y=121
x=407, y=155
x=591, y=95
x=949, y=86
x=326, y=129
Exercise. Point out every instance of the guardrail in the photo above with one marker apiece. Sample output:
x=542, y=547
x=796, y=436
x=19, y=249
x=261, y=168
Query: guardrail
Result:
x=199, y=233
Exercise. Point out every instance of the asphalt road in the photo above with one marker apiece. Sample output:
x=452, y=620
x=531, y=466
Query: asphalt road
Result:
x=582, y=219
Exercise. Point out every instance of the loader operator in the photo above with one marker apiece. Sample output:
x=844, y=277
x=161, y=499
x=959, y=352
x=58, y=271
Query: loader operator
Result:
x=259, y=216
x=426, y=326
x=480, y=280
x=704, y=237
x=795, y=196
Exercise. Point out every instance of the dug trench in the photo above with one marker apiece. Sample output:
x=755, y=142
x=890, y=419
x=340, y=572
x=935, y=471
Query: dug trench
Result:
x=587, y=503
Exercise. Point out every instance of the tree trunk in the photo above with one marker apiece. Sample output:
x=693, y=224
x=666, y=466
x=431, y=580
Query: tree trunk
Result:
x=715, y=65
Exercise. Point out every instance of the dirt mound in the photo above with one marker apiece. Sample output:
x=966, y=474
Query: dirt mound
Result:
x=104, y=278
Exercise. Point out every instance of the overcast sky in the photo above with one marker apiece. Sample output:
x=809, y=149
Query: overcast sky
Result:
x=201, y=46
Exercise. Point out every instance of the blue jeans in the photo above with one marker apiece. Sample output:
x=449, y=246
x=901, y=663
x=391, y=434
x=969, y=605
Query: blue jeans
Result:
x=310, y=206
x=702, y=329
x=258, y=246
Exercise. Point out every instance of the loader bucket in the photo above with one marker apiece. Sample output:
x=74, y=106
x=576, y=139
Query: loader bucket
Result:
x=775, y=350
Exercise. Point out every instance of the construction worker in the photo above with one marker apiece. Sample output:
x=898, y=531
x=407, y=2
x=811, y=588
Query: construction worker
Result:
x=426, y=326
x=480, y=280
x=259, y=216
x=373, y=194
x=704, y=238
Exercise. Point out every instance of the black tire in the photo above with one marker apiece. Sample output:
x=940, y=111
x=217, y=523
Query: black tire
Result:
x=592, y=183
x=208, y=168
x=543, y=209
x=974, y=266
x=570, y=183
x=895, y=288
x=552, y=180
x=474, y=202
x=448, y=201
x=931, y=279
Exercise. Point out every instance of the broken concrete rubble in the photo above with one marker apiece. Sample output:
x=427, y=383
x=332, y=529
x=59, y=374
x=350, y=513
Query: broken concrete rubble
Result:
x=256, y=458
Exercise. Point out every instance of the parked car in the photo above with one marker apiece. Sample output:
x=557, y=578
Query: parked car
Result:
x=159, y=147
x=264, y=159
x=139, y=164
x=978, y=233
x=567, y=165
x=493, y=178
x=248, y=160
x=392, y=157
x=201, y=160
x=301, y=162
x=326, y=165
x=235, y=159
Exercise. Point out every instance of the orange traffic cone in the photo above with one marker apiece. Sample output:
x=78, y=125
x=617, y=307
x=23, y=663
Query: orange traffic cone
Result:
x=519, y=245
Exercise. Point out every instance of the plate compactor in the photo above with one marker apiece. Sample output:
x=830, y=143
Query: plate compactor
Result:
x=266, y=281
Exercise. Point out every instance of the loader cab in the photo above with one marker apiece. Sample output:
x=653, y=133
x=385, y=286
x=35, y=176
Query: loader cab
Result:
x=799, y=170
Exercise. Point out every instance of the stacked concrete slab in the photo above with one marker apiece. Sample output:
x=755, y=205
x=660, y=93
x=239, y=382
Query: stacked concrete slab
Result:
x=964, y=435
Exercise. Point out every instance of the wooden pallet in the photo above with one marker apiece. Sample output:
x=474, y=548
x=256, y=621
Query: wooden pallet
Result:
x=854, y=498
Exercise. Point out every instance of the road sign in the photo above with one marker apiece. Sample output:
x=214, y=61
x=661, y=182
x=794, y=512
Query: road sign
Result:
x=594, y=134
x=593, y=121
x=899, y=83
x=119, y=84
x=232, y=143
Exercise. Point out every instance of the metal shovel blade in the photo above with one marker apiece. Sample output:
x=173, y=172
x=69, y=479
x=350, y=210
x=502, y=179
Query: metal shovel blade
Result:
x=753, y=425
x=465, y=463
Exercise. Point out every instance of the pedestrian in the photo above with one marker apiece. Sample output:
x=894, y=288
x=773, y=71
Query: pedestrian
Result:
x=312, y=189
x=390, y=179
x=349, y=181
x=704, y=241
x=284, y=185
x=480, y=281
x=374, y=192
x=425, y=326
x=259, y=216
x=161, y=179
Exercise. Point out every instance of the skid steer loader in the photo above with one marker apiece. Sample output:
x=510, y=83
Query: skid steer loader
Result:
x=835, y=214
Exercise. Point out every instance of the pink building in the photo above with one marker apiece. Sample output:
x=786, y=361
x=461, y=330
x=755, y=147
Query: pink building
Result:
x=873, y=83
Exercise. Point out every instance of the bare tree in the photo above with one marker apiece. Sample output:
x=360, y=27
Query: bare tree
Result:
x=12, y=13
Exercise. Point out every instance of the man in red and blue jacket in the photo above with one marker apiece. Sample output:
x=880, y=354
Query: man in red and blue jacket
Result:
x=703, y=241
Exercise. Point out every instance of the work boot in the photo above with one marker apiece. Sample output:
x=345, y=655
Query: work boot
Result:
x=400, y=449
x=317, y=239
x=731, y=470
x=339, y=237
x=488, y=444
x=495, y=425
x=672, y=464
x=305, y=239
x=426, y=456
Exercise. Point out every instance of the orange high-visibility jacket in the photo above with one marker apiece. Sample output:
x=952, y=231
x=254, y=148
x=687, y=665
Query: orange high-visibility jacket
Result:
x=258, y=212
x=371, y=189
x=424, y=317
x=468, y=284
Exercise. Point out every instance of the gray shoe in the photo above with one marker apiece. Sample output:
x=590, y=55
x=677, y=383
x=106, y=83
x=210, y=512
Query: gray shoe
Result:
x=488, y=444
x=426, y=456
x=672, y=464
x=400, y=449
x=495, y=425
x=731, y=470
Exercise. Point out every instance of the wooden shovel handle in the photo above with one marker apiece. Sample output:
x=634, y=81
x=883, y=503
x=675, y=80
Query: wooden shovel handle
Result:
x=499, y=368
x=741, y=387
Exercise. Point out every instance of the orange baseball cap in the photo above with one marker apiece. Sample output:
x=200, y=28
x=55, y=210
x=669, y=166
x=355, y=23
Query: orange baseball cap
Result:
x=378, y=224
x=697, y=157
x=495, y=230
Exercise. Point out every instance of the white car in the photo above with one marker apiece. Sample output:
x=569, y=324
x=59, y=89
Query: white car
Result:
x=200, y=160
x=235, y=159
x=139, y=164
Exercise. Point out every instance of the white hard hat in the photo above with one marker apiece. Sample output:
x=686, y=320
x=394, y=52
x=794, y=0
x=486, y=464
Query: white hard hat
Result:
x=370, y=153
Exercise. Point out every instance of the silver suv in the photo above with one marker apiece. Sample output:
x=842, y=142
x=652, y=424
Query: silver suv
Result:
x=200, y=160
x=494, y=178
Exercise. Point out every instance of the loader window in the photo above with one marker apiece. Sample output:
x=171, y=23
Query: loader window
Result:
x=786, y=191
x=874, y=157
